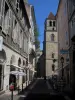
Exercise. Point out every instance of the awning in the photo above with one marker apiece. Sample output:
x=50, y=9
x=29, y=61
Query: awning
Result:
x=32, y=70
x=16, y=66
x=17, y=73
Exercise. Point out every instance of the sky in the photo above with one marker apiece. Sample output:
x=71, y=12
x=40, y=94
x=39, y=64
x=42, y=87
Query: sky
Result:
x=42, y=10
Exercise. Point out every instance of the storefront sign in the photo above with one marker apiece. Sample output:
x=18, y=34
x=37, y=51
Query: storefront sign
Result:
x=1, y=43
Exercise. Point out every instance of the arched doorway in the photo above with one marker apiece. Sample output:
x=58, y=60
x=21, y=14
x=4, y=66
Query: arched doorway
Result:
x=12, y=78
x=2, y=60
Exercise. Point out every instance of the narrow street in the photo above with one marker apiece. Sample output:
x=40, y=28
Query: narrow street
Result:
x=41, y=90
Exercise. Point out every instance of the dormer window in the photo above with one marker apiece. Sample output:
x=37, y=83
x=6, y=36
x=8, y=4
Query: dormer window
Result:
x=52, y=37
x=50, y=23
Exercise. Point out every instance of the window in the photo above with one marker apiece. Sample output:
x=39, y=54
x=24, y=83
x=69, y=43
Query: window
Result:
x=26, y=61
x=23, y=78
x=65, y=8
x=66, y=36
x=53, y=23
x=15, y=30
x=53, y=28
x=2, y=5
x=21, y=39
x=52, y=55
x=17, y=6
x=6, y=9
x=7, y=19
x=52, y=37
x=50, y=23
x=53, y=67
x=24, y=45
x=19, y=62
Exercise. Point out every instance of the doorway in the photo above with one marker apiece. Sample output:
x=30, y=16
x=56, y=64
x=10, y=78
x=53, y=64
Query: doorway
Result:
x=1, y=78
x=12, y=79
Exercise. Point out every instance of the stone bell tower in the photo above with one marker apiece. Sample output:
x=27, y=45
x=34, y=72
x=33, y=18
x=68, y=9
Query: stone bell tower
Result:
x=51, y=45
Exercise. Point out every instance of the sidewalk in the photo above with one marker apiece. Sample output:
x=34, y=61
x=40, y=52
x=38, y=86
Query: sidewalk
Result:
x=68, y=91
x=20, y=96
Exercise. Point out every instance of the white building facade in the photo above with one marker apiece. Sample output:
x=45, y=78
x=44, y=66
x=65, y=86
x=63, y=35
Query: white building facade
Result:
x=14, y=30
x=31, y=15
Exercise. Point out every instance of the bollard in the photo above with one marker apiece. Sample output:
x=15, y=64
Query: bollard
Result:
x=11, y=88
x=12, y=95
x=22, y=87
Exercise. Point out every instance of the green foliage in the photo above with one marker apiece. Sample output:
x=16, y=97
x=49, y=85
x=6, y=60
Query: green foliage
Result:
x=37, y=42
x=36, y=32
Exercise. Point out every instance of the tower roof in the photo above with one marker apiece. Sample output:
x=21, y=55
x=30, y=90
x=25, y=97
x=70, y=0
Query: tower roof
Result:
x=51, y=16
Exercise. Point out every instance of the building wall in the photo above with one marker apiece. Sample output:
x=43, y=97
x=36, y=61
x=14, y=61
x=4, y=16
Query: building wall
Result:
x=71, y=20
x=63, y=33
x=51, y=46
x=14, y=28
x=9, y=54
x=31, y=39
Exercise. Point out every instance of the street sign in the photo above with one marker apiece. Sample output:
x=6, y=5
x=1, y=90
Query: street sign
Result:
x=64, y=51
x=1, y=43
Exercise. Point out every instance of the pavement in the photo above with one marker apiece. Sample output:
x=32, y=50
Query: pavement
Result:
x=43, y=90
x=66, y=91
x=16, y=96
x=39, y=89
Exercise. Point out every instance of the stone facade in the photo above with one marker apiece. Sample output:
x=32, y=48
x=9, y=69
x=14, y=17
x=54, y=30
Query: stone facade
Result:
x=14, y=56
x=63, y=36
x=71, y=20
x=31, y=44
x=50, y=45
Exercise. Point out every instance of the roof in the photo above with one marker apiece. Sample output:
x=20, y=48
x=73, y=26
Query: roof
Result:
x=51, y=16
x=27, y=18
x=28, y=9
x=58, y=7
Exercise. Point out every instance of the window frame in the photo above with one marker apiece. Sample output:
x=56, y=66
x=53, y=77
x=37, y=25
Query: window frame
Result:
x=54, y=23
x=50, y=23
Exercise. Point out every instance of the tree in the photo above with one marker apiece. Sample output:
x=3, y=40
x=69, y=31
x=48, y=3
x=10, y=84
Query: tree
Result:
x=36, y=33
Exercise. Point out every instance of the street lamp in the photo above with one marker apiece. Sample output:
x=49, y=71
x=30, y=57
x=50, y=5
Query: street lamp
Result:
x=62, y=61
